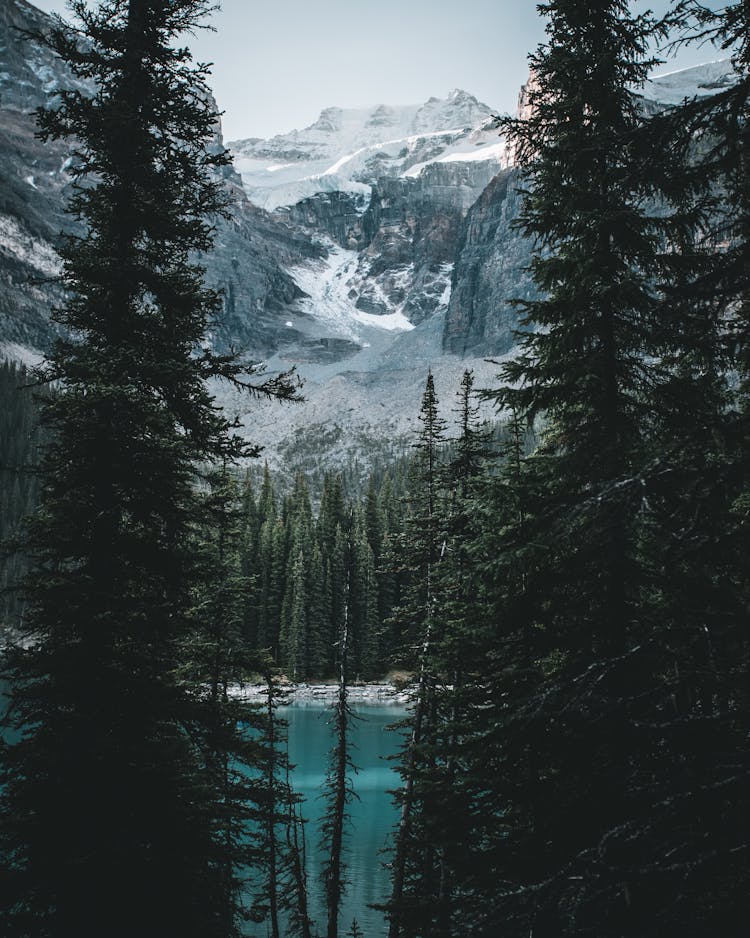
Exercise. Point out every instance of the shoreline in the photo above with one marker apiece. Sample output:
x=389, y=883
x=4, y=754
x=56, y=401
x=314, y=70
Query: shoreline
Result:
x=376, y=692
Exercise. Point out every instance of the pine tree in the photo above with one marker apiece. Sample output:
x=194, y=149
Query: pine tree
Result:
x=317, y=616
x=579, y=731
x=387, y=571
x=249, y=547
x=355, y=931
x=111, y=817
x=363, y=602
x=216, y=661
x=418, y=624
x=275, y=874
x=294, y=631
x=447, y=803
x=338, y=787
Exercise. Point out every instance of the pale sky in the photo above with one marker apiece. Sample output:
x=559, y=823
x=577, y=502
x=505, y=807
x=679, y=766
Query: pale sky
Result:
x=278, y=63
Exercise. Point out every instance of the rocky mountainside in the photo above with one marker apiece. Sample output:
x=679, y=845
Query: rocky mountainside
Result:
x=253, y=251
x=34, y=184
x=364, y=249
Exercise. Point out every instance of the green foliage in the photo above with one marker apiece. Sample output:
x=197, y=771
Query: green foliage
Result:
x=115, y=823
x=594, y=731
x=570, y=594
x=20, y=442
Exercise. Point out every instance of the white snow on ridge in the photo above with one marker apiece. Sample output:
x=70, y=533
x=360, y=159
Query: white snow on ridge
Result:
x=345, y=130
x=698, y=80
x=478, y=153
x=346, y=149
x=290, y=192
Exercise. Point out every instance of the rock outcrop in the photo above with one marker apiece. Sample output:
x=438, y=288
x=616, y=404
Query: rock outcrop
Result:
x=491, y=271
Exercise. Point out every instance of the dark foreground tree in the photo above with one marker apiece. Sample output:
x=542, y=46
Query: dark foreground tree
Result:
x=614, y=778
x=109, y=818
x=338, y=787
x=418, y=623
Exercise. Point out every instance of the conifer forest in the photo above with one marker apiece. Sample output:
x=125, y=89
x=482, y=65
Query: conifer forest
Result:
x=552, y=572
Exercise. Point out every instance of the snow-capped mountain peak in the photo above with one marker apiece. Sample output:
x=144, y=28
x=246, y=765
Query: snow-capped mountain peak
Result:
x=348, y=149
x=460, y=110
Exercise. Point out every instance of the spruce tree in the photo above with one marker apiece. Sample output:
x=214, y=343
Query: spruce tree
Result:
x=447, y=804
x=338, y=788
x=317, y=616
x=363, y=602
x=215, y=662
x=275, y=846
x=582, y=729
x=417, y=621
x=111, y=820
x=294, y=630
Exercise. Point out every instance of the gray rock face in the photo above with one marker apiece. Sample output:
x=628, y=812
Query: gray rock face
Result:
x=253, y=249
x=364, y=249
x=490, y=272
x=492, y=258
x=33, y=183
x=340, y=215
x=414, y=225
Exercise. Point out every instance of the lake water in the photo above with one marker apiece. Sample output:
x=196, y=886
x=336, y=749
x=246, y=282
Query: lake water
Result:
x=373, y=814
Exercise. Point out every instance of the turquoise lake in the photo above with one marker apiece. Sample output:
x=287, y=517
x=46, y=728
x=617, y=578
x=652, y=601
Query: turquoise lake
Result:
x=373, y=815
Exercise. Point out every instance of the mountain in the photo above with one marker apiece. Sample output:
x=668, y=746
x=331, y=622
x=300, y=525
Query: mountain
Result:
x=386, y=191
x=34, y=184
x=348, y=150
x=364, y=249
x=393, y=185
x=253, y=249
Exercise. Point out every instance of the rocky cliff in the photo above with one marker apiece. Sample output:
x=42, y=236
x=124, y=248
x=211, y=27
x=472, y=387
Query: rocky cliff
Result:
x=489, y=274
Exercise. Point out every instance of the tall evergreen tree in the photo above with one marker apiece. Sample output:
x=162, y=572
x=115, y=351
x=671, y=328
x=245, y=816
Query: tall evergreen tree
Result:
x=338, y=789
x=111, y=823
x=363, y=602
x=417, y=619
x=317, y=616
x=581, y=719
x=215, y=660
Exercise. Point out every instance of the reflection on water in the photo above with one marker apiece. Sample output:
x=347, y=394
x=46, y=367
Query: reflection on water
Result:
x=373, y=815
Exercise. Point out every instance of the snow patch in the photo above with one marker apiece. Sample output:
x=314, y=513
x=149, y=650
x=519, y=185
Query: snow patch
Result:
x=446, y=271
x=697, y=81
x=328, y=287
x=17, y=243
x=482, y=153
x=280, y=193
x=393, y=322
x=347, y=149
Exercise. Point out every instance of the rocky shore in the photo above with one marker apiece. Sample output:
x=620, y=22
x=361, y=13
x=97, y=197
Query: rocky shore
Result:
x=367, y=693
